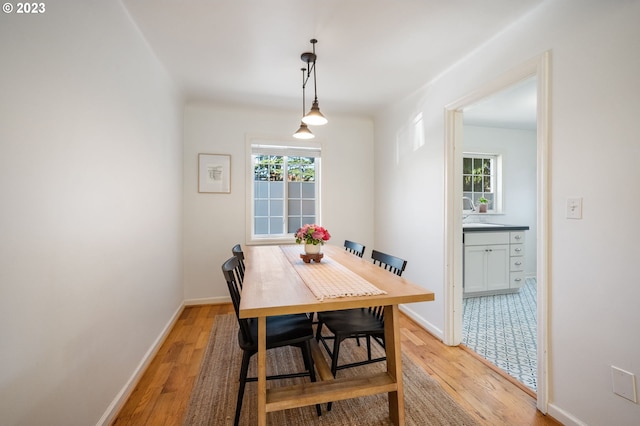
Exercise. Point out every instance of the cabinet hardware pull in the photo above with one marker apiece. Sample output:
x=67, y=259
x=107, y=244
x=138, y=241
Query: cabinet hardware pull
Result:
x=518, y=249
x=517, y=237
x=518, y=279
x=518, y=263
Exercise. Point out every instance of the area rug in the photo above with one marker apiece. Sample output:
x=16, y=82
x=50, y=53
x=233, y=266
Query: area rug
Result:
x=213, y=398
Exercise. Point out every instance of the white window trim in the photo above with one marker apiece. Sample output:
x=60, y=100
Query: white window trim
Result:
x=284, y=146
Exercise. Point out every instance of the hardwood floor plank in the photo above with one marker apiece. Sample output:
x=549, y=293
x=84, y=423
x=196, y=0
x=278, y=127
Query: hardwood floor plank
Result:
x=162, y=395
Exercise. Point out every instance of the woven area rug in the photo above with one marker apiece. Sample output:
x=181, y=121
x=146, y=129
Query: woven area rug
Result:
x=213, y=398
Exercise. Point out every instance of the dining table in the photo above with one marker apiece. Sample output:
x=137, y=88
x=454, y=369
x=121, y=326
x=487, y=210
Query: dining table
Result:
x=278, y=281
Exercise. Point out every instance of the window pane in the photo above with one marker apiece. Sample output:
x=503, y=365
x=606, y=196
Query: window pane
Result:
x=477, y=184
x=261, y=189
x=295, y=172
x=294, y=189
x=467, y=166
x=487, y=184
x=477, y=166
x=308, y=207
x=294, y=208
x=466, y=183
x=486, y=167
x=261, y=225
x=276, y=225
x=309, y=190
x=261, y=208
x=276, y=190
x=276, y=208
x=308, y=220
x=293, y=224
x=260, y=168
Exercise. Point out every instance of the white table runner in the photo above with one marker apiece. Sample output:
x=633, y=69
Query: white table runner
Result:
x=329, y=279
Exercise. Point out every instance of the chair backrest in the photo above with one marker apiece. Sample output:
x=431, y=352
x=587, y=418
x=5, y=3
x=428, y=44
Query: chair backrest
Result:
x=353, y=247
x=388, y=262
x=231, y=272
x=237, y=252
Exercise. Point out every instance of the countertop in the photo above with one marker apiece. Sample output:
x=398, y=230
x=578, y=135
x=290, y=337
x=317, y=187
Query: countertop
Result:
x=492, y=227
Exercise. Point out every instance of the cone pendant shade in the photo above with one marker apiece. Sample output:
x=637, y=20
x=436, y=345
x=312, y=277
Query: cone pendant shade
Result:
x=303, y=132
x=314, y=117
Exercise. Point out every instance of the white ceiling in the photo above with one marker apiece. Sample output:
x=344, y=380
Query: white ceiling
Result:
x=514, y=107
x=370, y=52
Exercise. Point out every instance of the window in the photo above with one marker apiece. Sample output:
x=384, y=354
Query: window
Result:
x=285, y=190
x=481, y=178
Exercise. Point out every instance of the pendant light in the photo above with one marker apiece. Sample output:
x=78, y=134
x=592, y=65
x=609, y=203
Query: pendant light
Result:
x=303, y=132
x=314, y=117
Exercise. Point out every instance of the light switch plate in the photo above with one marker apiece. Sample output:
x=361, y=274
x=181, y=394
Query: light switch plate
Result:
x=624, y=383
x=574, y=208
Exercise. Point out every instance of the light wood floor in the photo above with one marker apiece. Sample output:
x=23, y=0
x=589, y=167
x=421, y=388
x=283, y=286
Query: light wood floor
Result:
x=161, y=396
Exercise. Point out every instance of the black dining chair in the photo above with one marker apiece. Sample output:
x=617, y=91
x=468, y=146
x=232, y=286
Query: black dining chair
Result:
x=356, y=323
x=237, y=252
x=353, y=247
x=360, y=322
x=284, y=330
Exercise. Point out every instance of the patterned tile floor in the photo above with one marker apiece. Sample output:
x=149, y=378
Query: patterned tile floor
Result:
x=503, y=329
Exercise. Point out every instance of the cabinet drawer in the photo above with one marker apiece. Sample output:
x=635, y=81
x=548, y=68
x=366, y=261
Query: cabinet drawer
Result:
x=517, y=250
x=485, y=238
x=517, y=264
x=517, y=237
x=516, y=279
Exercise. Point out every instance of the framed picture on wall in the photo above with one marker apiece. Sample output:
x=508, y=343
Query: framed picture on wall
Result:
x=214, y=173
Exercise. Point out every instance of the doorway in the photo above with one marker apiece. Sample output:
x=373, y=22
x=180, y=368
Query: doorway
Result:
x=454, y=120
x=499, y=164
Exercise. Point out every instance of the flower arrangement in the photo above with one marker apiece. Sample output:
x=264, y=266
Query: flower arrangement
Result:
x=312, y=234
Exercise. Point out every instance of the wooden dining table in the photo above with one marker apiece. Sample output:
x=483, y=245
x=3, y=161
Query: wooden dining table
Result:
x=274, y=284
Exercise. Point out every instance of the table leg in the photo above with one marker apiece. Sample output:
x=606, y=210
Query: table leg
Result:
x=262, y=371
x=394, y=363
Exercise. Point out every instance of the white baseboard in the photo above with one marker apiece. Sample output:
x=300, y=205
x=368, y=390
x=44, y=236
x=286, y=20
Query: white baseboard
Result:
x=421, y=321
x=122, y=396
x=207, y=301
x=563, y=417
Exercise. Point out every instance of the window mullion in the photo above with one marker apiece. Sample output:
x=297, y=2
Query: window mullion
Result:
x=285, y=200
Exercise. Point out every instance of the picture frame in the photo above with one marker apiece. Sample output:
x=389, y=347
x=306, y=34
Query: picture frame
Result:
x=214, y=173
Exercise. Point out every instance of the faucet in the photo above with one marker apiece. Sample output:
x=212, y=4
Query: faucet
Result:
x=467, y=204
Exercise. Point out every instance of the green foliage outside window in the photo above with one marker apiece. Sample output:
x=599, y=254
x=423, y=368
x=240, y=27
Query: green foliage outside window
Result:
x=271, y=168
x=476, y=173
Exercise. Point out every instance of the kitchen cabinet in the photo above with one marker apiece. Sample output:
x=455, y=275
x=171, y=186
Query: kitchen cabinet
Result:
x=493, y=262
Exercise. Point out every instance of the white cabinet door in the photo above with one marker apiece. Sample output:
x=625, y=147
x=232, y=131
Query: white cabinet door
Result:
x=474, y=268
x=497, y=267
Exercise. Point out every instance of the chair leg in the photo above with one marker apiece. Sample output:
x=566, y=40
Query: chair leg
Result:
x=369, y=346
x=334, y=359
x=244, y=369
x=308, y=362
x=319, y=330
x=336, y=352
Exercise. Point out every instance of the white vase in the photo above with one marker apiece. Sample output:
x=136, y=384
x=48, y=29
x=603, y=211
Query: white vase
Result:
x=312, y=248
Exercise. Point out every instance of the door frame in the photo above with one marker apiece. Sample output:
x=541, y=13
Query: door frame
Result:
x=536, y=67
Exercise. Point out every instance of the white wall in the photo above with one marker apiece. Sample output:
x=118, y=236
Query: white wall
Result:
x=595, y=99
x=90, y=215
x=518, y=150
x=213, y=223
